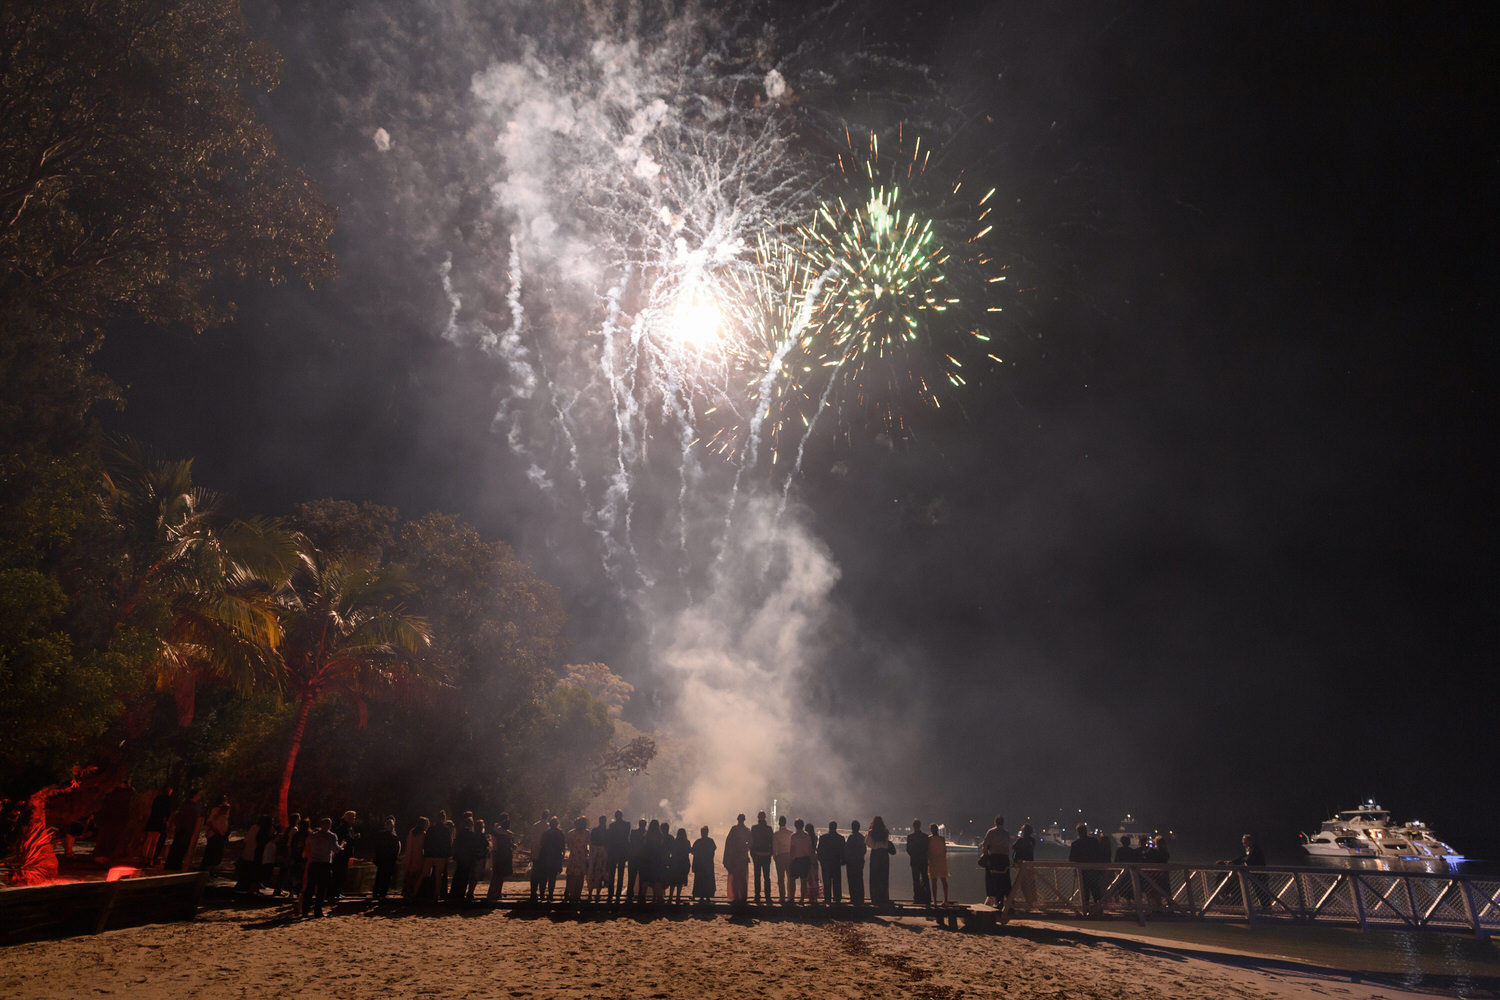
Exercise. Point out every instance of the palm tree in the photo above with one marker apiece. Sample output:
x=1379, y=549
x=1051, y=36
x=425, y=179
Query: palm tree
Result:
x=346, y=636
x=200, y=583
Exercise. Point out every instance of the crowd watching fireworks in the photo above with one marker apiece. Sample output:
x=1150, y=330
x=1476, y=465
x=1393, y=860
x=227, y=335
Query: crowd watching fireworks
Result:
x=467, y=860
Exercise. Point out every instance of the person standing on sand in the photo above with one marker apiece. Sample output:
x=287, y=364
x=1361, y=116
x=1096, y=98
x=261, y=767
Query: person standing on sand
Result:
x=322, y=845
x=854, y=862
x=218, y=835
x=831, y=862
x=284, y=854
x=679, y=865
x=347, y=830
x=481, y=871
x=267, y=874
x=937, y=859
x=781, y=851
x=1022, y=853
x=668, y=855
x=762, y=845
x=916, y=853
x=653, y=861
x=437, y=848
x=802, y=854
x=814, y=881
x=387, y=853
x=737, y=861
x=468, y=855
x=598, y=877
x=247, y=865
x=535, y=845
x=185, y=832
x=502, y=857
x=635, y=854
x=994, y=858
x=297, y=856
x=549, y=860
x=881, y=849
x=411, y=878
x=618, y=847
x=703, y=866
x=579, y=843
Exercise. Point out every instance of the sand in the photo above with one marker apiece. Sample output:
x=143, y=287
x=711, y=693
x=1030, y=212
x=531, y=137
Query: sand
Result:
x=396, y=953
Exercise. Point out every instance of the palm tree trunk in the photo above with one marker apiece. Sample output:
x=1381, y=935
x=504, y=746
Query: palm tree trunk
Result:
x=303, y=710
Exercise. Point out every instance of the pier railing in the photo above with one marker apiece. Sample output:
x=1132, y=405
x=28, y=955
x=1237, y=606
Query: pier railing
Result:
x=1415, y=901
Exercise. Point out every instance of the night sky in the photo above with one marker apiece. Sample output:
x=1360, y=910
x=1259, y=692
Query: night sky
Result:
x=1216, y=545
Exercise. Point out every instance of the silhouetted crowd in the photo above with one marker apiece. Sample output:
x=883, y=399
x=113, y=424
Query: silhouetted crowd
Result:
x=614, y=861
x=611, y=860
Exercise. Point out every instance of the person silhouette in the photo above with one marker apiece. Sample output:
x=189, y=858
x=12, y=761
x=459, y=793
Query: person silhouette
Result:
x=916, y=853
x=831, y=862
x=854, y=863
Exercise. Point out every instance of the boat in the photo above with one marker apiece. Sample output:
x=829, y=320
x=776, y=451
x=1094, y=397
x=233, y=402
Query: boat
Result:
x=1130, y=827
x=1054, y=835
x=1367, y=833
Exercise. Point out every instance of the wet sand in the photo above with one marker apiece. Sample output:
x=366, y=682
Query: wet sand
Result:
x=362, y=951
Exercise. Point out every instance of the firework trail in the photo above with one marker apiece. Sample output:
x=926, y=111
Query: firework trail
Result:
x=636, y=156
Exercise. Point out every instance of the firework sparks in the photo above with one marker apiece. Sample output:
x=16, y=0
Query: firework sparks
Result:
x=889, y=324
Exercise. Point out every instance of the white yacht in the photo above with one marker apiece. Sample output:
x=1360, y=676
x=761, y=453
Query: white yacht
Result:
x=1368, y=833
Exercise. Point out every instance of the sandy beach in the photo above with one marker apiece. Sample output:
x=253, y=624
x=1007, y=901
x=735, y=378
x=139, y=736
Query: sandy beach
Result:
x=361, y=951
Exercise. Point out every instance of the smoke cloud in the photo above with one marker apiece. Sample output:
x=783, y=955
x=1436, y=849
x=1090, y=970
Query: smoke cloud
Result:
x=737, y=656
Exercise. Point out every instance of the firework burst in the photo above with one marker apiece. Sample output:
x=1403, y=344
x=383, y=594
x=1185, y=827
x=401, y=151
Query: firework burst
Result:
x=903, y=252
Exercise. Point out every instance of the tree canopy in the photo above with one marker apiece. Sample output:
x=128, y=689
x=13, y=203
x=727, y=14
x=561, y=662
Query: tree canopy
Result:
x=136, y=176
x=134, y=166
